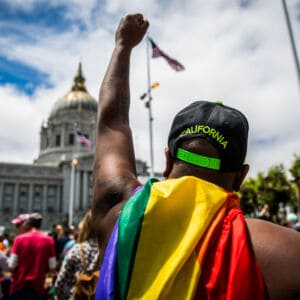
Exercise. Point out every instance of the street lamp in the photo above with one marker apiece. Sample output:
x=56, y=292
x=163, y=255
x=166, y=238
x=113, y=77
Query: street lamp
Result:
x=153, y=86
x=74, y=163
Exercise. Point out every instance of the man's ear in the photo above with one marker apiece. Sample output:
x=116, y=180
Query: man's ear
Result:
x=240, y=176
x=168, y=163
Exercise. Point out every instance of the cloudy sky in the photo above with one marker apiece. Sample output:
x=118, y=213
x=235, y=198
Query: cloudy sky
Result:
x=236, y=51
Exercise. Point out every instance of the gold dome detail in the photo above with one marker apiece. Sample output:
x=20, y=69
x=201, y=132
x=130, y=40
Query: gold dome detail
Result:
x=78, y=98
x=79, y=81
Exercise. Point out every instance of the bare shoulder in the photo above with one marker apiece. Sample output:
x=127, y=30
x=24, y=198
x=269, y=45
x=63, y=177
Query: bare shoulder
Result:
x=277, y=252
x=110, y=194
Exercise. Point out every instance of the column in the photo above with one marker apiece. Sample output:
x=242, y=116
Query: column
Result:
x=72, y=192
x=1, y=196
x=15, y=204
x=50, y=137
x=58, y=197
x=85, y=191
x=63, y=137
x=77, y=190
x=44, y=201
x=30, y=198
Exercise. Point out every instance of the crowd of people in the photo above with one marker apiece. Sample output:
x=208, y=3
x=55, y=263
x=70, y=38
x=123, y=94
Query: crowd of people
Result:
x=285, y=216
x=53, y=260
x=40, y=265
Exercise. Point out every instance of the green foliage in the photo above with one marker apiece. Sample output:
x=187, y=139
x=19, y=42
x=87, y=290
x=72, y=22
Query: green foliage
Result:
x=248, y=196
x=295, y=172
x=273, y=189
x=295, y=168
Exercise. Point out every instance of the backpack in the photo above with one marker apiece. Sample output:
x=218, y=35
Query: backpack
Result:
x=85, y=285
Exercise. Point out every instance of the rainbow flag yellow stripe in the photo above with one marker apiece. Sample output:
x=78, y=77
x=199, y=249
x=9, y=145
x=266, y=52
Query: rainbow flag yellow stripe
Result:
x=176, y=217
x=182, y=238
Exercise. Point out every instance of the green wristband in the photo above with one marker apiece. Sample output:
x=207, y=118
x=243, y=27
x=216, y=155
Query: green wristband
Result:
x=198, y=160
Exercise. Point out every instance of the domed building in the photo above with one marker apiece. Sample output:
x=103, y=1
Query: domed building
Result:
x=59, y=182
x=77, y=110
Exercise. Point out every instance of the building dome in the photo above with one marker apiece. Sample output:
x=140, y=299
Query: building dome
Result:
x=75, y=112
x=78, y=99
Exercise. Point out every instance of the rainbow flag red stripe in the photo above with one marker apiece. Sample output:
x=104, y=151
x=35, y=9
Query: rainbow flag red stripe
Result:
x=181, y=238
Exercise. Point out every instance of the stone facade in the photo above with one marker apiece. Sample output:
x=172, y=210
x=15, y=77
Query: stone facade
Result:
x=45, y=186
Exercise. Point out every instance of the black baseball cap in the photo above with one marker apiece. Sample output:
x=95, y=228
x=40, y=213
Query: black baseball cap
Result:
x=224, y=127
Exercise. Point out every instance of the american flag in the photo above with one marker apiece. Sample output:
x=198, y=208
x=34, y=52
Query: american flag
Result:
x=82, y=139
x=157, y=52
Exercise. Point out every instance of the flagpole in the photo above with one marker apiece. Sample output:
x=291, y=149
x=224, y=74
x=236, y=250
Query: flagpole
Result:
x=148, y=105
x=288, y=22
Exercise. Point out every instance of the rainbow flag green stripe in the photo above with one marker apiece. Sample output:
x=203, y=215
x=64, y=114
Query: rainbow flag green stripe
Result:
x=159, y=229
x=129, y=229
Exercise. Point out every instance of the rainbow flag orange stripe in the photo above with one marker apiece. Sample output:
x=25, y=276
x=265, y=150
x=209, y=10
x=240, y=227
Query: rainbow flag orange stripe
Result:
x=166, y=240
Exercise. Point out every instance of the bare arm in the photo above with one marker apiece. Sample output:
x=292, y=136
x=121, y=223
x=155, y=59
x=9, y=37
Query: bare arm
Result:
x=277, y=251
x=114, y=168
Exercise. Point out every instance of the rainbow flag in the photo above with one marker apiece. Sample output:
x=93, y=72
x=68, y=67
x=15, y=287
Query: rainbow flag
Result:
x=180, y=238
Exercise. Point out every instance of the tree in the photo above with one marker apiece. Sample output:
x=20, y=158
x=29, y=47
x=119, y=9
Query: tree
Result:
x=277, y=189
x=248, y=197
x=295, y=171
x=273, y=189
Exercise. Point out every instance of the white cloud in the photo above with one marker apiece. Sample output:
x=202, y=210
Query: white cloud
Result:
x=18, y=131
x=237, y=55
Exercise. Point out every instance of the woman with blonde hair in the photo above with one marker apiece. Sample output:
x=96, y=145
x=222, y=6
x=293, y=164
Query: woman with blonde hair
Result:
x=82, y=257
x=86, y=231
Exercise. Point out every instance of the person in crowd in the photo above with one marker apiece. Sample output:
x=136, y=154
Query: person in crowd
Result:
x=264, y=213
x=2, y=247
x=74, y=263
x=2, y=243
x=21, y=225
x=71, y=242
x=293, y=221
x=6, y=242
x=184, y=237
x=61, y=239
x=3, y=268
x=53, y=232
x=32, y=256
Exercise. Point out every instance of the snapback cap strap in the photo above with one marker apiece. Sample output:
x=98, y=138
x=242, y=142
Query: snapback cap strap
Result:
x=198, y=160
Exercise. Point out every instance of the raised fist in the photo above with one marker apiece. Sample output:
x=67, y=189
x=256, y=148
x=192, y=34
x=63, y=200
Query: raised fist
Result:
x=131, y=30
